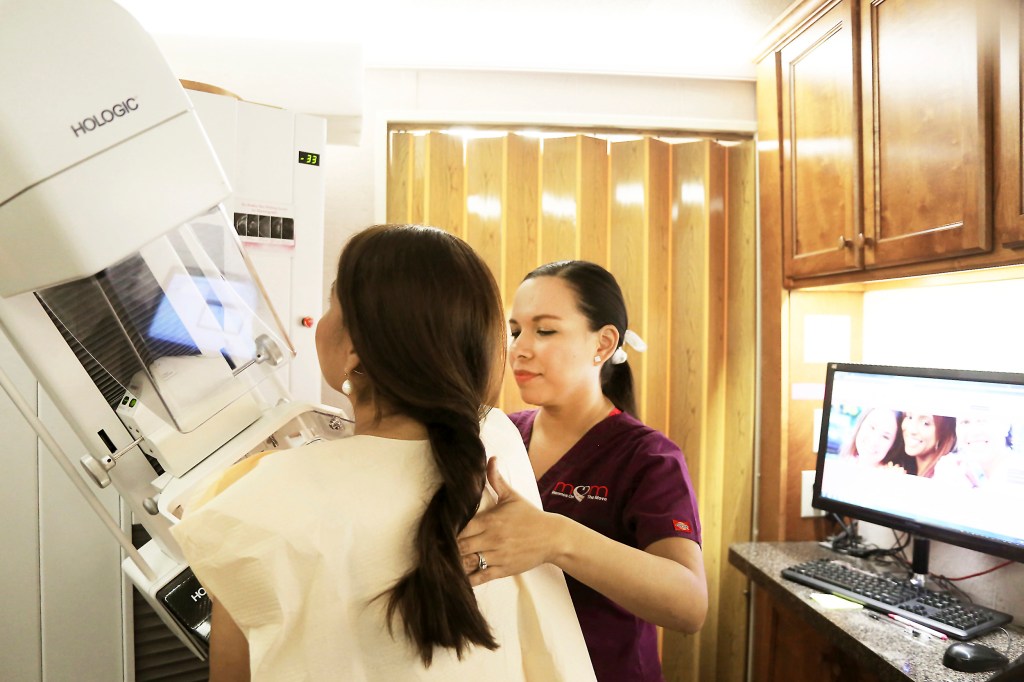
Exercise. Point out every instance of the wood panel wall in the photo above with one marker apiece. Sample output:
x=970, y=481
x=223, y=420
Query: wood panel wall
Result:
x=675, y=224
x=805, y=379
x=740, y=422
x=772, y=405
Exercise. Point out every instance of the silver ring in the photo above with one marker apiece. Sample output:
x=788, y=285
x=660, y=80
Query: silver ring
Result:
x=481, y=563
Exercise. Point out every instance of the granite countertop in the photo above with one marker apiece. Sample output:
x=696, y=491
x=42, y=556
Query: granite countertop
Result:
x=882, y=647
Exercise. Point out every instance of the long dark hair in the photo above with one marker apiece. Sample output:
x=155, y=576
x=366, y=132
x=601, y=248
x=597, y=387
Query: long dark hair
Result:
x=600, y=299
x=424, y=315
x=945, y=440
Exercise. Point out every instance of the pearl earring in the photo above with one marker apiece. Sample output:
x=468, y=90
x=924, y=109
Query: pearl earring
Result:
x=346, y=387
x=597, y=359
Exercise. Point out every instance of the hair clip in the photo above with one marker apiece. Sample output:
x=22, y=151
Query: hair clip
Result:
x=634, y=340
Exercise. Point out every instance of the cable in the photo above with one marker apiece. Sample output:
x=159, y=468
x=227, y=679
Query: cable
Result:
x=892, y=555
x=948, y=586
x=896, y=555
x=847, y=541
x=849, y=534
x=975, y=575
x=1006, y=633
x=897, y=549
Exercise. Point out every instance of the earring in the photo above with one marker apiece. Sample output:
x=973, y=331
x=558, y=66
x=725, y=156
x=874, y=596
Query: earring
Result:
x=346, y=386
x=597, y=359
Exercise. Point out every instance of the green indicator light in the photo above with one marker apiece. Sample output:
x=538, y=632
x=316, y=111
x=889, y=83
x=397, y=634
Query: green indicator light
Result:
x=132, y=403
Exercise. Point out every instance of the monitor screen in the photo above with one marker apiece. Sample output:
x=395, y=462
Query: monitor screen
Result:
x=934, y=452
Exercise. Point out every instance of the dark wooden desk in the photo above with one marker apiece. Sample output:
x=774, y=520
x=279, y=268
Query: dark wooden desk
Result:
x=865, y=649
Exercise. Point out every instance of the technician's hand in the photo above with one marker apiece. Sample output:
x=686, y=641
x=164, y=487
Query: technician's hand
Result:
x=513, y=536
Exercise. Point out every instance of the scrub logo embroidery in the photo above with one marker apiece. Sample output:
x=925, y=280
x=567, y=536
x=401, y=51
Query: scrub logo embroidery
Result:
x=682, y=526
x=579, y=493
x=104, y=117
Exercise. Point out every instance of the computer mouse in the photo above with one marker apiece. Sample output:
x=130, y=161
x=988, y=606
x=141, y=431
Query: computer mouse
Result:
x=973, y=657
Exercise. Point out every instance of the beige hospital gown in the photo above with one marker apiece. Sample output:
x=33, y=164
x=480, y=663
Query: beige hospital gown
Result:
x=298, y=549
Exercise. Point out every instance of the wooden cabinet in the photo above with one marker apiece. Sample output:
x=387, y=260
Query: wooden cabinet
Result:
x=794, y=651
x=886, y=129
x=1009, y=179
x=820, y=111
x=926, y=90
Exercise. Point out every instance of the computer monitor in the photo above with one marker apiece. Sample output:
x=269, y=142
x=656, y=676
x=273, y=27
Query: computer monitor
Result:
x=938, y=453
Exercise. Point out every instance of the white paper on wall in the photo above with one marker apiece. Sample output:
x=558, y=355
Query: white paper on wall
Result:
x=805, y=391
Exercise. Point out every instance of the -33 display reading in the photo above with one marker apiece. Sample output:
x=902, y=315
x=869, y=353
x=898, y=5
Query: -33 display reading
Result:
x=309, y=158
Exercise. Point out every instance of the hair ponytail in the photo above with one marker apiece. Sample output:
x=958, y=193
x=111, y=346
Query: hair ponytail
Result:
x=424, y=314
x=600, y=299
x=617, y=386
x=430, y=619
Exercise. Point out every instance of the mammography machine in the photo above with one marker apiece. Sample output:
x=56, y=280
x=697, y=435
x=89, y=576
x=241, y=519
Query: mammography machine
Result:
x=124, y=285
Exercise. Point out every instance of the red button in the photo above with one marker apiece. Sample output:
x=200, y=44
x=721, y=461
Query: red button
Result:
x=307, y=322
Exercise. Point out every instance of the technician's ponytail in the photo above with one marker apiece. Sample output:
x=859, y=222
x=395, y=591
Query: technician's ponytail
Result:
x=617, y=386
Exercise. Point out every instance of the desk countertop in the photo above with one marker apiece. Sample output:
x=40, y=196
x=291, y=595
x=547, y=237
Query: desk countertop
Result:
x=880, y=646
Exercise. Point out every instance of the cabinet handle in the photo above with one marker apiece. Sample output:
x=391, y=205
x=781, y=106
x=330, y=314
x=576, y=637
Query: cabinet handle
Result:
x=863, y=241
x=844, y=242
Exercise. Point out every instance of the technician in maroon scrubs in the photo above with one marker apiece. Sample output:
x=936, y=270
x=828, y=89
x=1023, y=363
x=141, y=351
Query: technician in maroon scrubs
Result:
x=620, y=516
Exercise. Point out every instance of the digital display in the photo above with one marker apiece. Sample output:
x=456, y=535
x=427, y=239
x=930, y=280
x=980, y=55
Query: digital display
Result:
x=309, y=158
x=935, y=452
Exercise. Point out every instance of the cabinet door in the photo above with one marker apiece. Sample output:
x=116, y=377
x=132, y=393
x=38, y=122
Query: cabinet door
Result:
x=790, y=649
x=926, y=128
x=1010, y=137
x=820, y=145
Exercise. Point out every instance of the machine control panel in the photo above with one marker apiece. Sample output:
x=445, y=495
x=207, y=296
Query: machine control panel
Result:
x=186, y=600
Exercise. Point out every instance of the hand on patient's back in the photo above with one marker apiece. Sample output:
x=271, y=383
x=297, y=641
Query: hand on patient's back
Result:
x=511, y=535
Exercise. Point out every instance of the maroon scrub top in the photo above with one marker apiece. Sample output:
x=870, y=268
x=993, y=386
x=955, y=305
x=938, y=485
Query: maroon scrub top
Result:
x=628, y=482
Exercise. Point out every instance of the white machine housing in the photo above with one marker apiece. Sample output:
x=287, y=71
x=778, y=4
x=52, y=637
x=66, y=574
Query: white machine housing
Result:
x=105, y=117
x=111, y=220
x=259, y=147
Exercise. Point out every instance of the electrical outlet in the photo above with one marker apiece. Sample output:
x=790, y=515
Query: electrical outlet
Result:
x=807, y=494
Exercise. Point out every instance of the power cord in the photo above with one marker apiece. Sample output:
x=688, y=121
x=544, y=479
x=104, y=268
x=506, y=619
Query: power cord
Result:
x=898, y=554
x=847, y=540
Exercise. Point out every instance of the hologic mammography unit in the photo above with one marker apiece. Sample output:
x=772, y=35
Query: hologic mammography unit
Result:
x=125, y=288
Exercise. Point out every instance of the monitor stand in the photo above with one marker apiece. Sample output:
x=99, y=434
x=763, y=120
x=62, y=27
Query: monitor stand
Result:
x=919, y=561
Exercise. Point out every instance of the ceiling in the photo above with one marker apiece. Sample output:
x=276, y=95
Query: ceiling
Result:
x=693, y=38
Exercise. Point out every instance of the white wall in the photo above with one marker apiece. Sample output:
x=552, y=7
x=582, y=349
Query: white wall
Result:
x=965, y=326
x=356, y=173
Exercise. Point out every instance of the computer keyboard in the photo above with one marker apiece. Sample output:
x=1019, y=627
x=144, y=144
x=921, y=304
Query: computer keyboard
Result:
x=936, y=610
